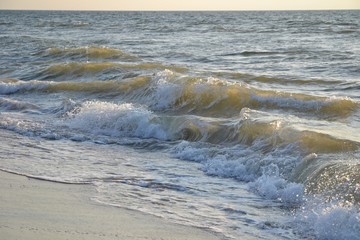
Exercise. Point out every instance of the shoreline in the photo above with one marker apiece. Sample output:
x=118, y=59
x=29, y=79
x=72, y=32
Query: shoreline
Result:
x=37, y=209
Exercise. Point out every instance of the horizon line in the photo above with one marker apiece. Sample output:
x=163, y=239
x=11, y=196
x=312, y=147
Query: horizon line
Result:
x=180, y=10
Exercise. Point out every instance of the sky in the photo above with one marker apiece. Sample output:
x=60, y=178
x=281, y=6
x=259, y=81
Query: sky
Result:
x=179, y=4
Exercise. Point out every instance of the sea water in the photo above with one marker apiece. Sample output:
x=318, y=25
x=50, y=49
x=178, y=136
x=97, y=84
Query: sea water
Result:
x=246, y=124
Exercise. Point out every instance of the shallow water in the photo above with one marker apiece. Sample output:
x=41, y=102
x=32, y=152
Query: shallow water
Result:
x=243, y=123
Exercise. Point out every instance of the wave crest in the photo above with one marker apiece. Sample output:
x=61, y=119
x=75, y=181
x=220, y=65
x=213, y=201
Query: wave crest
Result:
x=89, y=52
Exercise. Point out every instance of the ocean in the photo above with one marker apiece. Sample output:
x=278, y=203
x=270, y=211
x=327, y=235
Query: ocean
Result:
x=246, y=124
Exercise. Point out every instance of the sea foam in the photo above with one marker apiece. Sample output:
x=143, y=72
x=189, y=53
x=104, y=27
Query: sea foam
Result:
x=115, y=120
x=327, y=220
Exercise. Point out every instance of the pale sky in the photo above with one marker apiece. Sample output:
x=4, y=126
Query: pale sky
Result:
x=179, y=4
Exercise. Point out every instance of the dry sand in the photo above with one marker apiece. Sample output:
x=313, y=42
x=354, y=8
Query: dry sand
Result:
x=33, y=209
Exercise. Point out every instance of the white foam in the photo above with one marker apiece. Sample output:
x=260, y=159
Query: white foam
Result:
x=166, y=92
x=185, y=151
x=277, y=188
x=18, y=123
x=330, y=221
x=338, y=223
x=222, y=167
x=267, y=175
x=116, y=120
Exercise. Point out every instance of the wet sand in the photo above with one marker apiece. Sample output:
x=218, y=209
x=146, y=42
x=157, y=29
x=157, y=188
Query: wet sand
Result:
x=34, y=209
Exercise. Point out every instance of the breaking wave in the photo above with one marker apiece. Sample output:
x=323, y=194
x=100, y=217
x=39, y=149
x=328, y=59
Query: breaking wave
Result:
x=168, y=91
x=137, y=121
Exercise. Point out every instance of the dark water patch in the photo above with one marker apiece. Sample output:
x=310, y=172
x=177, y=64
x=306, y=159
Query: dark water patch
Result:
x=16, y=105
x=63, y=24
x=6, y=23
x=347, y=87
x=251, y=53
x=346, y=31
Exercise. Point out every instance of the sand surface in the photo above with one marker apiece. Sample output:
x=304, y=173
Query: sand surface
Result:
x=34, y=209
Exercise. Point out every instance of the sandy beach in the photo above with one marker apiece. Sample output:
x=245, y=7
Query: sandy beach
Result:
x=35, y=209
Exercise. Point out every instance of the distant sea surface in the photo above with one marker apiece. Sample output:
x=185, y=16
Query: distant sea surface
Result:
x=243, y=123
